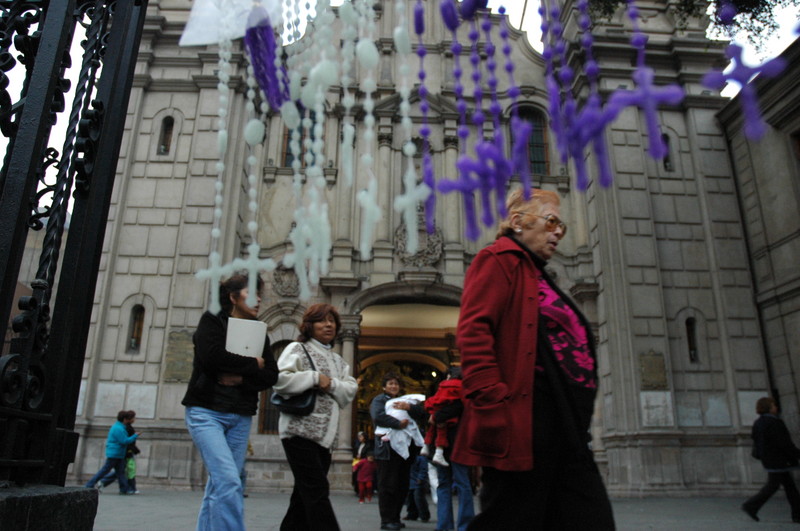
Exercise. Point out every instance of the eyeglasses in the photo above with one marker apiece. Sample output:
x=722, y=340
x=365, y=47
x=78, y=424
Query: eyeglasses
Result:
x=551, y=223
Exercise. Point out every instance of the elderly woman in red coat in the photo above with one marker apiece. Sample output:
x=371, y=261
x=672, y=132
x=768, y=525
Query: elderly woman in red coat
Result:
x=530, y=380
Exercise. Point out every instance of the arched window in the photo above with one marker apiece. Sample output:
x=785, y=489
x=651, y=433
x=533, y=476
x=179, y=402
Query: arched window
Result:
x=537, y=143
x=691, y=339
x=165, y=138
x=135, y=328
x=668, y=165
x=305, y=134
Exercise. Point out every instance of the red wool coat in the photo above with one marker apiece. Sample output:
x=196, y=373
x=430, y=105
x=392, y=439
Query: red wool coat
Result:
x=497, y=330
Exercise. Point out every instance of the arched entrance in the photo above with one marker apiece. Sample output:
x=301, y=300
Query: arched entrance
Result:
x=414, y=340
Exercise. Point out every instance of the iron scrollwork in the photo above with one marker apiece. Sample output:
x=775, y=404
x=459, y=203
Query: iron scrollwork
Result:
x=86, y=145
x=21, y=371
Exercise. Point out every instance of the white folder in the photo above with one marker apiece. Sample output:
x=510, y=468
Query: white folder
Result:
x=246, y=337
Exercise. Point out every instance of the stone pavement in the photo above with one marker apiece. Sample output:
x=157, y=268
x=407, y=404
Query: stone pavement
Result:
x=157, y=510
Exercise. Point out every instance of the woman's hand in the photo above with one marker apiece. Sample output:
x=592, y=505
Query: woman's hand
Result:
x=230, y=380
x=260, y=362
x=324, y=383
x=402, y=405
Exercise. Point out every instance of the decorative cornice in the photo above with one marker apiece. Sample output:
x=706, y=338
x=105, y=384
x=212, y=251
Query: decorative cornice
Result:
x=333, y=285
x=585, y=290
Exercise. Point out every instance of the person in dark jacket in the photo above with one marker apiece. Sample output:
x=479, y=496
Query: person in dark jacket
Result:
x=116, y=444
x=393, y=470
x=417, y=502
x=455, y=476
x=130, y=454
x=530, y=379
x=221, y=400
x=773, y=445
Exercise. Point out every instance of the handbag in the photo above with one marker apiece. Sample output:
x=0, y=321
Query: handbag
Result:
x=298, y=405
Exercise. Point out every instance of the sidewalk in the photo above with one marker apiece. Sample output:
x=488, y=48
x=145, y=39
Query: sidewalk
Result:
x=156, y=510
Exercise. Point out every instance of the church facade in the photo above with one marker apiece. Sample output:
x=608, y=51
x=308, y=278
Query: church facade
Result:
x=659, y=262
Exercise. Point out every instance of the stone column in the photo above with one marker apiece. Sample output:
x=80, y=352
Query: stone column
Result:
x=383, y=171
x=348, y=336
x=452, y=216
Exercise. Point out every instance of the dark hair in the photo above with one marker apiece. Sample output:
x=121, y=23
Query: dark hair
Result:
x=764, y=405
x=124, y=415
x=314, y=314
x=389, y=376
x=233, y=286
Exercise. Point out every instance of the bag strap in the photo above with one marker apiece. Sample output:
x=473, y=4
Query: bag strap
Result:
x=313, y=367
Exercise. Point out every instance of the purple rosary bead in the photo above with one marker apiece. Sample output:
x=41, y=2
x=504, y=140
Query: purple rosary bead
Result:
x=259, y=41
x=754, y=127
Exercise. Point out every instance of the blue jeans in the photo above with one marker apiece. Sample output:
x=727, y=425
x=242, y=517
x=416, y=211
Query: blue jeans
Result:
x=112, y=463
x=111, y=477
x=221, y=439
x=458, y=476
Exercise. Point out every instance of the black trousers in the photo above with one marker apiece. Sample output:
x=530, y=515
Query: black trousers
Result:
x=774, y=482
x=393, y=478
x=417, y=505
x=310, y=505
x=564, y=490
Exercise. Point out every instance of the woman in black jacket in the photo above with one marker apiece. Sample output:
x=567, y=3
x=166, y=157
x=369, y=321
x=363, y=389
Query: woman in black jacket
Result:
x=221, y=400
x=773, y=445
x=393, y=470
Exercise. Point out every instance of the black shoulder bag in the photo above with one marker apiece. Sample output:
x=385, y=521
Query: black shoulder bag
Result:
x=298, y=405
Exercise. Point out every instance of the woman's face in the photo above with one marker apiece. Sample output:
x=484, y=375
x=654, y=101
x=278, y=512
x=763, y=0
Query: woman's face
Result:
x=240, y=308
x=392, y=388
x=530, y=228
x=324, y=331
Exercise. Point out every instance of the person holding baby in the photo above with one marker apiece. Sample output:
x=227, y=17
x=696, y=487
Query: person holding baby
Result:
x=393, y=469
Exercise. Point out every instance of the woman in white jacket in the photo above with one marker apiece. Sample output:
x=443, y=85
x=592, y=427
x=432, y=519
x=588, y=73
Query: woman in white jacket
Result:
x=309, y=440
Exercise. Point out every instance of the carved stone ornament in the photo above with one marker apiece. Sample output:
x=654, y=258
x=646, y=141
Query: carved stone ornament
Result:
x=285, y=282
x=451, y=141
x=429, y=250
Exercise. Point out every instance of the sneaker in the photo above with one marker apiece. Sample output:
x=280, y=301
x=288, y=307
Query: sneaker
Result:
x=99, y=487
x=425, y=452
x=438, y=459
x=134, y=492
x=750, y=512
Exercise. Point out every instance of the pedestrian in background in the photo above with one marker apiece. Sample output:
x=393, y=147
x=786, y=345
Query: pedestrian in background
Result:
x=361, y=447
x=773, y=446
x=365, y=470
x=116, y=445
x=455, y=476
x=130, y=459
x=449, y=391
x=417, y=501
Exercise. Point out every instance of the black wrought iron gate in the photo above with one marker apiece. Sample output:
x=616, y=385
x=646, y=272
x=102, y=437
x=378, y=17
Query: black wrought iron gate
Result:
x=41, y=371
